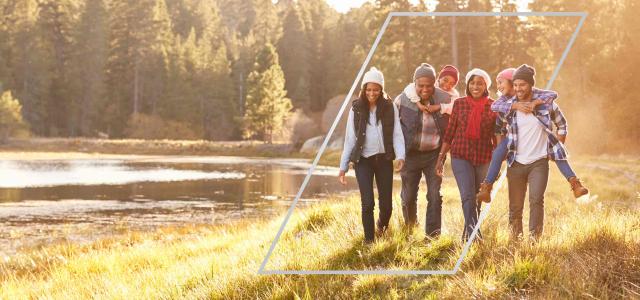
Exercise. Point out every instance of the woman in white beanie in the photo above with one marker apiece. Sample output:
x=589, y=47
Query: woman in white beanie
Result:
x=471, y=140
x=372, y=141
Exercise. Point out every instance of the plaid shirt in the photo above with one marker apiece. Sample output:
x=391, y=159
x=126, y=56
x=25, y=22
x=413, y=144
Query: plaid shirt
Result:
x=504, y=107
x=546, y=114
x=479, y=151
x=428, y=137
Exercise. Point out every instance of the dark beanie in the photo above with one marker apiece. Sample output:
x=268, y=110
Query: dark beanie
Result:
x=451, y=71
x=424, y=70
x=526, y=73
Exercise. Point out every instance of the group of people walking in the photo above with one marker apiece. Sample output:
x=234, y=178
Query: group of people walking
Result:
x=430, y=120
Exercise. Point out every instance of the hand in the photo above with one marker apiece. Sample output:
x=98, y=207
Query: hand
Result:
x=537, y=102
x=400, y=165
x=433, y=108
x=342, y=178
x=562, y=138
x=440, y=167
x=422, y=107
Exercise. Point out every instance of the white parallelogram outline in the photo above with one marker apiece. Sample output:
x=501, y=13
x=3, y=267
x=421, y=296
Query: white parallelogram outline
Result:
x=483, y=214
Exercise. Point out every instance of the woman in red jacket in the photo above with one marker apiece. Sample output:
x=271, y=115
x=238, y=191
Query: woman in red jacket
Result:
x=470, y=137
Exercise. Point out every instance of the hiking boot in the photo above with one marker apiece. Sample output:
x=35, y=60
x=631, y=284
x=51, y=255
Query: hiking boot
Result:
x=577, y=188
x=484, y=195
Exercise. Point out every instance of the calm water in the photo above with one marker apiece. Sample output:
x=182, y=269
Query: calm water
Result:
x=44, y=201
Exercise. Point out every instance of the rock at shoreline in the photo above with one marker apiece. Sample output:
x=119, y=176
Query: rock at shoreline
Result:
x=312, y=145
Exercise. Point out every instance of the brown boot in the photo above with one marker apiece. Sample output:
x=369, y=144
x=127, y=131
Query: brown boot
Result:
x=484, y=195
x=577, y=188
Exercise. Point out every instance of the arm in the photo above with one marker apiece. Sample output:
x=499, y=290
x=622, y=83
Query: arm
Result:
x=423, y=108
x=448, y=138
x=545, y=96
x=501, y=105
x=431, y=108
x=560, y=121
x=452, y=127
x=398, y=138
x=349, y=143
x=441, y=158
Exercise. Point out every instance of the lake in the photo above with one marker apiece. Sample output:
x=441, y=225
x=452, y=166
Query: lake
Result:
x=78, y=200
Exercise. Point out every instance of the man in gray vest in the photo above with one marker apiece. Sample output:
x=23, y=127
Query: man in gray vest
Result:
x=423, y=127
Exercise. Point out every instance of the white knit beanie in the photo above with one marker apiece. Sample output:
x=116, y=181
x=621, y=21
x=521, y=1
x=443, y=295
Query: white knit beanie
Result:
x=481, y=73
x=373, y=75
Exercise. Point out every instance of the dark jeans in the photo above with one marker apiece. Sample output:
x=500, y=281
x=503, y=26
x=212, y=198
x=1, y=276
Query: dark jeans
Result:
x=468, y=177
x=535, y=175
x=418, y=164
x=382, y=169
x=500, y=154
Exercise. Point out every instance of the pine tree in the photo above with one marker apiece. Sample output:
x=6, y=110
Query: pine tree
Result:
x=88, y=70
x=140, y=37
x=294, y=49
x=28, y=72
x=55, y=21
x=267, y=107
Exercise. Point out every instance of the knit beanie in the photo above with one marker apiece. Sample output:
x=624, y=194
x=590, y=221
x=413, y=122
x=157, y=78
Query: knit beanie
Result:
x=506, y=74
x=373, y=75
x=526, y=73
x=451, y=71
x=481, y=73
x=424, y=70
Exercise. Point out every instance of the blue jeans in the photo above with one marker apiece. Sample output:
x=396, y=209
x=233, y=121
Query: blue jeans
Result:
x=468, y=177
x=500, y=154
x=381, y=169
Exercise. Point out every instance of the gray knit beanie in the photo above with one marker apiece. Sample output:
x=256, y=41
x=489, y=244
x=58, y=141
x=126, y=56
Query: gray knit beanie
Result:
x=424, y=70
x=526, y=73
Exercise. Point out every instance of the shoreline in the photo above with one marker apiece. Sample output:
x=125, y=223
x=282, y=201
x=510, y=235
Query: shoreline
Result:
x=84, y=148
x=150, y=147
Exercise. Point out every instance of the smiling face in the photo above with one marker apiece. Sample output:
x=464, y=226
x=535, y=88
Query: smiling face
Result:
x=522, y=89
x=505, y=87
x=446, y=82
x=477, y=87
x=425, y=87
x=372, y=91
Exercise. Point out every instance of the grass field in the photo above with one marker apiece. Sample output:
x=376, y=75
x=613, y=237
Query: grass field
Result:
x=588, y=250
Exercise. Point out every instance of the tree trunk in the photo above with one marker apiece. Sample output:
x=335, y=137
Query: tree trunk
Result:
x=136, y=86
x=454, y=42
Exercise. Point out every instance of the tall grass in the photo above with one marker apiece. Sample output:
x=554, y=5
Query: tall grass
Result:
x=588, y=250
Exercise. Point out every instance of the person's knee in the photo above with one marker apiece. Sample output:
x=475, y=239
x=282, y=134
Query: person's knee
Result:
x=515, y=214
x=468, y=196
x=367, y=206
x=536, y=200
x=408, y=197
x=409, y=190
x=434, y=195
x=386, y=204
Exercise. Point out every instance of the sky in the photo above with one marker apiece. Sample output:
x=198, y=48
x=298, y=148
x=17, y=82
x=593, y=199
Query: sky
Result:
x=343, y=6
